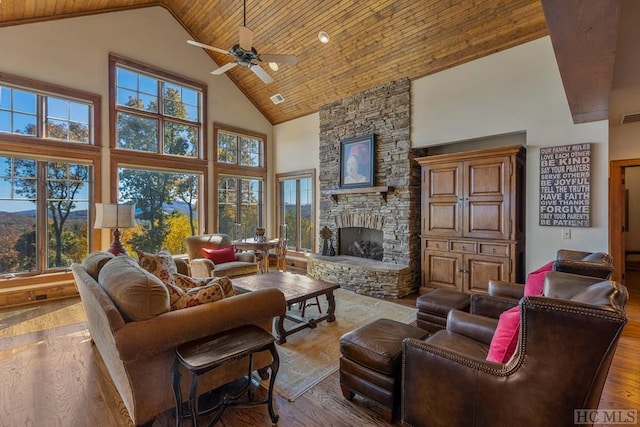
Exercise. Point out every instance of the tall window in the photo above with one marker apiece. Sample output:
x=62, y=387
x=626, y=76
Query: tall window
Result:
x=240, y=174
x=296, y=207
x=240, y=201
x=38, y=114
x=165, y=208
x=45, y=214
x=48, y=150
x=158, y=116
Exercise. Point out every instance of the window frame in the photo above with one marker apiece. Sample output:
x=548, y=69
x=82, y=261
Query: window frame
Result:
x=286, y=176
x=50, y=149
x=237, y=170
x=133, y=159
x=114, y=109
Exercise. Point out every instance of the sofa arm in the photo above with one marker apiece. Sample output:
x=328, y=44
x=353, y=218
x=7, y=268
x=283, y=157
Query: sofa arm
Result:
x=500, y=288
x=491, y=306
x=202, y=267
x=139, y=340
x=478, y=328
x=246, y=256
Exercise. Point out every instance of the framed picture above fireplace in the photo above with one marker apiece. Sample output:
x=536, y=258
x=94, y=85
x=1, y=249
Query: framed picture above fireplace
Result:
x=356, y=161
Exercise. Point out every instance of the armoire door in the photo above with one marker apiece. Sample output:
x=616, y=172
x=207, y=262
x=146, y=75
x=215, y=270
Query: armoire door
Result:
x=442, y=200
x=486, y=198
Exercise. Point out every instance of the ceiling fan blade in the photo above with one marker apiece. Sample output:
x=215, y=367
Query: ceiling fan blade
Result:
x=281, y=59
x=246, y=39
x=226, y=67
x=206, y=46
x=264, y=76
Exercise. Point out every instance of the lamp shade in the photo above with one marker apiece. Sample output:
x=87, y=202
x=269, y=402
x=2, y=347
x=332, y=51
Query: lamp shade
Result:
x=114, y=215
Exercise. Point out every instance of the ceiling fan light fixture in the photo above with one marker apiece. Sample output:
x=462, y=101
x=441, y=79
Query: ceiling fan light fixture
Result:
x=273, y=66
x=323, y=37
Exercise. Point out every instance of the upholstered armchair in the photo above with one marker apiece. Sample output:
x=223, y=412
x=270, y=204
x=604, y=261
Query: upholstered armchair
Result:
x=565, y=346
x=213, y=255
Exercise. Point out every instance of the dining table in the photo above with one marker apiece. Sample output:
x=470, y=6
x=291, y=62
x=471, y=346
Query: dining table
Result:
x=261, y=246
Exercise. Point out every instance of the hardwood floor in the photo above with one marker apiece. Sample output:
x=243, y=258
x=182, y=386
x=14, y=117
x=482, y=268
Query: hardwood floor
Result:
x=50, y=376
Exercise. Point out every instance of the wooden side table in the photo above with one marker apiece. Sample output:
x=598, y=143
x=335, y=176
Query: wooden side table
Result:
x=200, y=356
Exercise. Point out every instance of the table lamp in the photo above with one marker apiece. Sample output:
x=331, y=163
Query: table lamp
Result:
x=114, y=215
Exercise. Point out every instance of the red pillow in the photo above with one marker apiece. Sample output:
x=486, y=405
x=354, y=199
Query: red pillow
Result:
x=535, y=280
x=505, y=339
x=219, y=256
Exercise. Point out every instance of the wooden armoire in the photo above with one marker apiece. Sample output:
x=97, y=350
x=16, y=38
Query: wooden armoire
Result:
x=473, y=212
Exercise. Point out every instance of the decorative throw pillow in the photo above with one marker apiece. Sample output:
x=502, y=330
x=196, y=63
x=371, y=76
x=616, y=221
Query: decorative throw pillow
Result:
x=535, y=280
x=94, y=262
x=505, y=339
x=219, y=256
x=160, y=265
x=138, y=294
x=194, y=292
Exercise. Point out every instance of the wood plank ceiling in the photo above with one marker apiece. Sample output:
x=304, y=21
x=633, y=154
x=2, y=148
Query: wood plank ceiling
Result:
x=371, y=42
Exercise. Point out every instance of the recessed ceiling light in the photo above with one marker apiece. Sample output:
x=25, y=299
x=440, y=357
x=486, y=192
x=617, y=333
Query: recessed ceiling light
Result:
x=323, y=37
x=273, y=66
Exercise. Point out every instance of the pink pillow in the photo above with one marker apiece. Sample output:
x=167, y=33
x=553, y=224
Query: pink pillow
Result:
x=535, y=280
x=505, y=339
x=219, y=256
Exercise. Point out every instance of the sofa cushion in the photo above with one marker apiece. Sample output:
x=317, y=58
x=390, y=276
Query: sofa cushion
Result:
x=94, y=262
x=138, y=294
x=505, y=339
x=220, y=256
x=160, y=265
x=535, y=280
x=199, y=291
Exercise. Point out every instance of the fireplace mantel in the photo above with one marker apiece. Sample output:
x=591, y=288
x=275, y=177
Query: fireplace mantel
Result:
x=380, y=189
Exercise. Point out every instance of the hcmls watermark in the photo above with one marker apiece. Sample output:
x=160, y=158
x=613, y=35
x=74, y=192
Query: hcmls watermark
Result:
x=608, y=416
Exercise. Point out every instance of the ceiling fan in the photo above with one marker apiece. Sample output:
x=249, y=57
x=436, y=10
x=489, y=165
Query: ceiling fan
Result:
x=245, y=54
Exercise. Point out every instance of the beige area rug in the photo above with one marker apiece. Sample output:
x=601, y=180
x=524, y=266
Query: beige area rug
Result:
x=311, y=355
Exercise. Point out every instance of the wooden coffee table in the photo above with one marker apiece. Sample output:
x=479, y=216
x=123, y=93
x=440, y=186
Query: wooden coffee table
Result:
x=296, y=288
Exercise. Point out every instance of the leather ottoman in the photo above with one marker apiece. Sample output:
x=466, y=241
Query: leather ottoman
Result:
x=434, y=306
x=371, y=362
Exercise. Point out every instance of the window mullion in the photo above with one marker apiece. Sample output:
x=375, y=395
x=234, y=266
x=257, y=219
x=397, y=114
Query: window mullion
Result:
x=298, y=242
x=42, y=229
x=41, y=111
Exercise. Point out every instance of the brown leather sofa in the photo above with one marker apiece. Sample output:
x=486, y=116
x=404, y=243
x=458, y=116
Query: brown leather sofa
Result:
x=244, y=263
x=565, y=346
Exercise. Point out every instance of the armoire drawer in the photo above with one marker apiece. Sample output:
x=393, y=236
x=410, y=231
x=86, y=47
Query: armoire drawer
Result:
x=463, y=246
x=436, y=244
x=497, y=249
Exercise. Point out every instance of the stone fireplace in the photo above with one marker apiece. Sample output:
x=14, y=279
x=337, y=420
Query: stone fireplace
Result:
x=375, y=229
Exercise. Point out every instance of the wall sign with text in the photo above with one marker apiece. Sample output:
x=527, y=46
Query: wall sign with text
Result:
x=565, y=183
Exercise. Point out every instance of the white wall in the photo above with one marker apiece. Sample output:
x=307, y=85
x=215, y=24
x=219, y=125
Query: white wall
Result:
x=511, y=91
x=74, y=53
x=624, y=141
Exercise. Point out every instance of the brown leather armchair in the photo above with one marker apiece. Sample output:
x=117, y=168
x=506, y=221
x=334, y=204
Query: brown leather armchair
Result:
x=565, y=346
x=593, y=264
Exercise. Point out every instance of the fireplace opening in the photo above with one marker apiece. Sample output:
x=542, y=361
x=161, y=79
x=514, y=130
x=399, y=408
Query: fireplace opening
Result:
x=361, y=242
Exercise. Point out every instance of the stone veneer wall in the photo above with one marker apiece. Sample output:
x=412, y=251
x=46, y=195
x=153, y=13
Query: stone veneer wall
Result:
x=386, y=112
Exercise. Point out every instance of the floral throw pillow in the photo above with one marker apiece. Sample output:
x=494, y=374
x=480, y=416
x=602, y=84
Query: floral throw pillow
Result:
x=189, y=292
x=160, y=265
